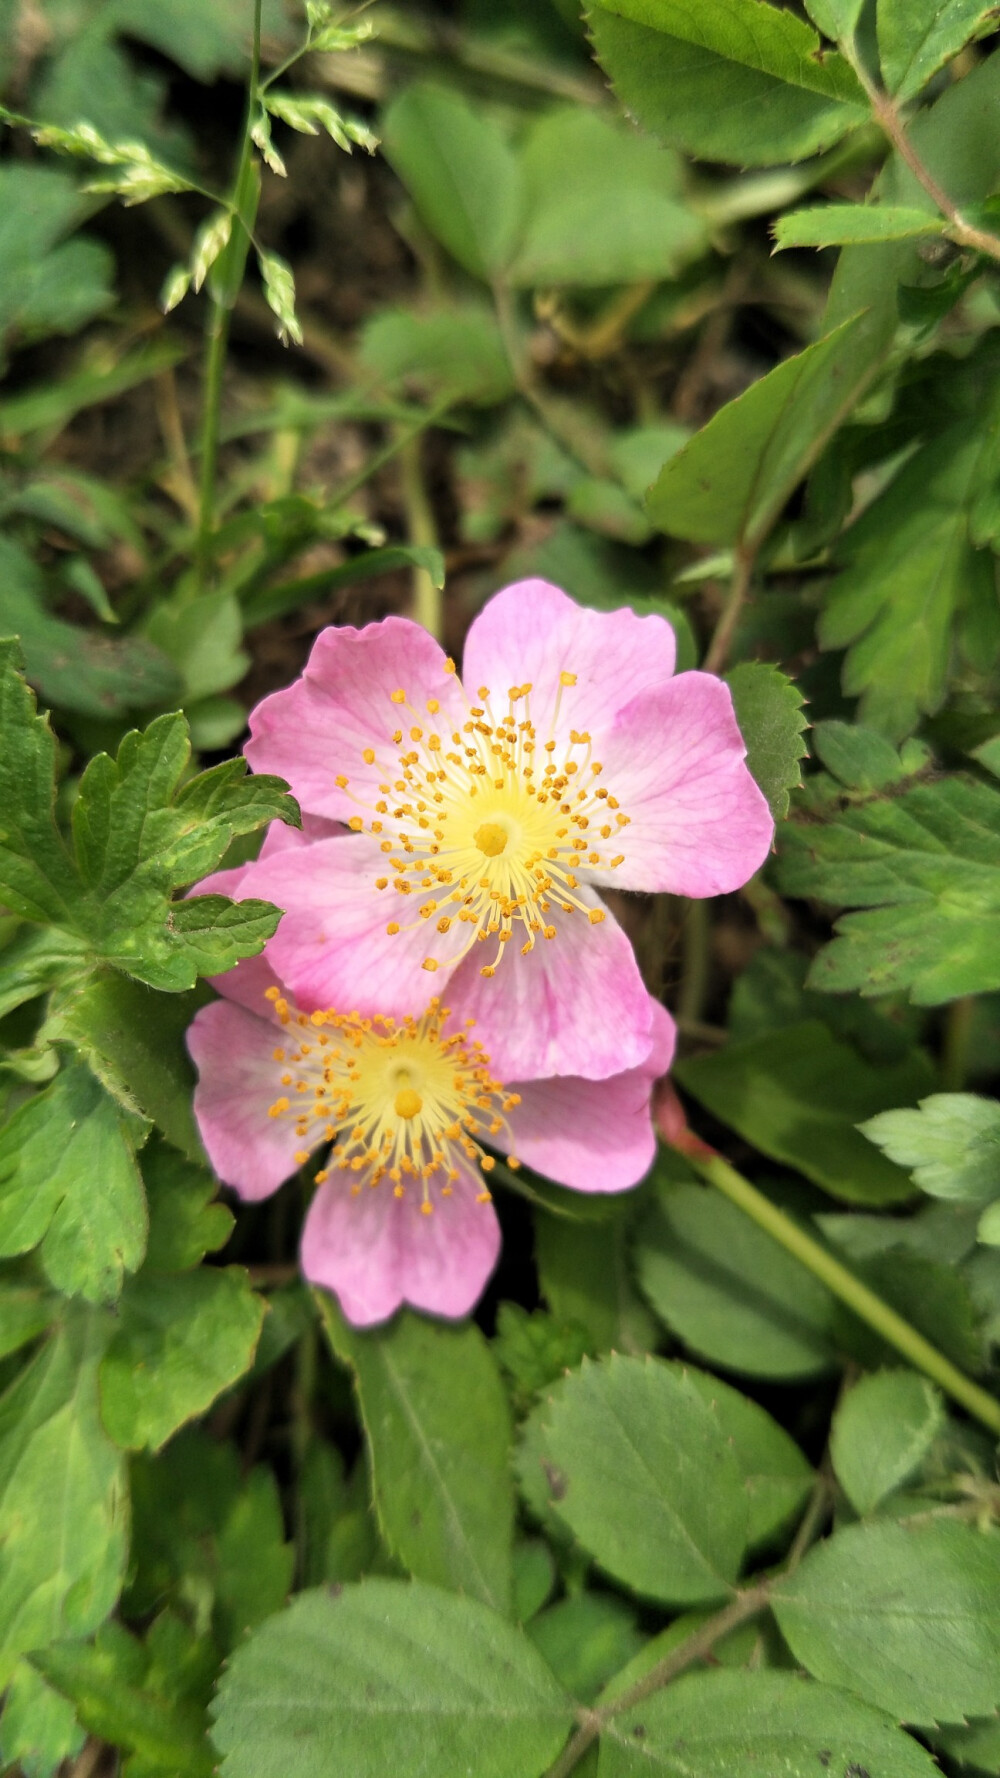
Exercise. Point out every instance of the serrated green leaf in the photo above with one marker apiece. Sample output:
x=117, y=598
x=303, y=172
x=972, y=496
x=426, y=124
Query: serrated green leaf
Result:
x=585, y=1277
x=844, y=225
x=640, y=1470
x=69, y=1180
x=769, y=711
x=837, y=18
x=714, y=1725
x=63, y=1497
x=903, y=1616
x=117, y=1698
x=728, y=484
x=951, y=1141
x=38, y=1728
x=724, y=1288
x=975, y=1745
x=912, y=579
x=925, y=865
x=861, y=758
x=182, y=1338
x=730, y=80
x=776, y=1477
x=24, y=1312
x=184, y=1222
x=388, y=1676
x=798, y=1095
x=439, y=1434
x=460, y=173
x=882, y=1430
x=917, y=37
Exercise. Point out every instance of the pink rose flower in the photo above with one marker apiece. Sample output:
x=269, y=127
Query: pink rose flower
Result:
x=488, y=817
x=402, y=1211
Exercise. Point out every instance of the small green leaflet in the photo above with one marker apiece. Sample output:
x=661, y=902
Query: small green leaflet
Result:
x=952, y=1142
x=840, y=225
x=769, y=711
x=139, y=834
x=924, y=865
x=882, y=1430
x=917, y=37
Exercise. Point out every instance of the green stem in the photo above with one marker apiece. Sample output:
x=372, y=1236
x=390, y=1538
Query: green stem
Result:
x=428, y=602
x=957, y=1044
x=857, y=1296
x=717, y=653
x=216, y=341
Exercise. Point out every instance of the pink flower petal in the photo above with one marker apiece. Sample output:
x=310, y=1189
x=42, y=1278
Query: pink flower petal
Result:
x=233, y=1051
x=575, y=1004
x=699, y=825
x=376, y=1251
x=533, y=632
x=332, y=948
x=595, y=1136
x=318, y=728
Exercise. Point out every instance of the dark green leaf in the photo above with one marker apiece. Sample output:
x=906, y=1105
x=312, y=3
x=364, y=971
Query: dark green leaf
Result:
x=586, y=1279
x=184, y=1222
x=724, y=1287
x=798, y=1095
x=388, y=1676
x=69, y=1179
x=730, y=482
x=439, y=1435
x=775, y=1725
x=882, y=1430
x=641, y=1471
x=769, y=712
x=926, y=866
x=117, y=1698
x=38, y=1728
x=776, y=1476
x=266, y=603
x=730, y=80
x=182, y=1338
x=585, y=1640
x=905, y=1617
x=63, y=1500
x=47, y=284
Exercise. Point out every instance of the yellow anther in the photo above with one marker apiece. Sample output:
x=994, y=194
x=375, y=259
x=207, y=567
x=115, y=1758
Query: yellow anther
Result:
x=567, y=679
x=369, y=756
x=407, y=1103
x=392, y=928
x=398, y=696
x=430, y=964
x=356, y=824
x=595, y=916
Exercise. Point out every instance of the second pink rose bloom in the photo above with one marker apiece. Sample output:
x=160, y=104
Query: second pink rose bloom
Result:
x=485, y=814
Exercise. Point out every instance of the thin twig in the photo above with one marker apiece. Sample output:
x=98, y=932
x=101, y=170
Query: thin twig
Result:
x=717, y=652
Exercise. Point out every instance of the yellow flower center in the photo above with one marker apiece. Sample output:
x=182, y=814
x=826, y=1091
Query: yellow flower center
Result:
x=493, y=822
x=405, y=1101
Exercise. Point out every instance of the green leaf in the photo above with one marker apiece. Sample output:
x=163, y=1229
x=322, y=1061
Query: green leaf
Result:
x=208, y=1540
x=730, y=80
x=47, y=284
x=837, y=225
x=139, y=834
x=184, y=1222
x=585, y=1640
x=882, y=1430
x=452, y=353
x=182, y=1338
x=769, y=711
x=640, y=1470
x=776, y=1476
x=775, y=1725
x=862, y=759
x=798, y=1095
x=117, y=1697
x=724, y=1287
x=439, y=1433
x=905, y=1617
x=63, y=1499
x=33, y=963
x=388, y=1676
x=266, y=603
x=917, y=37
x=133, y=1039
x=838, y=19
x=24, y=1312
x=460, y=173
x=585, y=1277
x=38, y=1728
x=975, y=1745
x=925, y=865
x=602, y=206
x=952, y=1143
x=202, y=637
x=69, y=1179
x=913, y=578
x=730, y=482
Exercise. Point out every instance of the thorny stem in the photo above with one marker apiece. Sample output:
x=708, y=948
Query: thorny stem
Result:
x=963, y=233
x=857, y=1296
x=717, y=653
x=216, y=340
